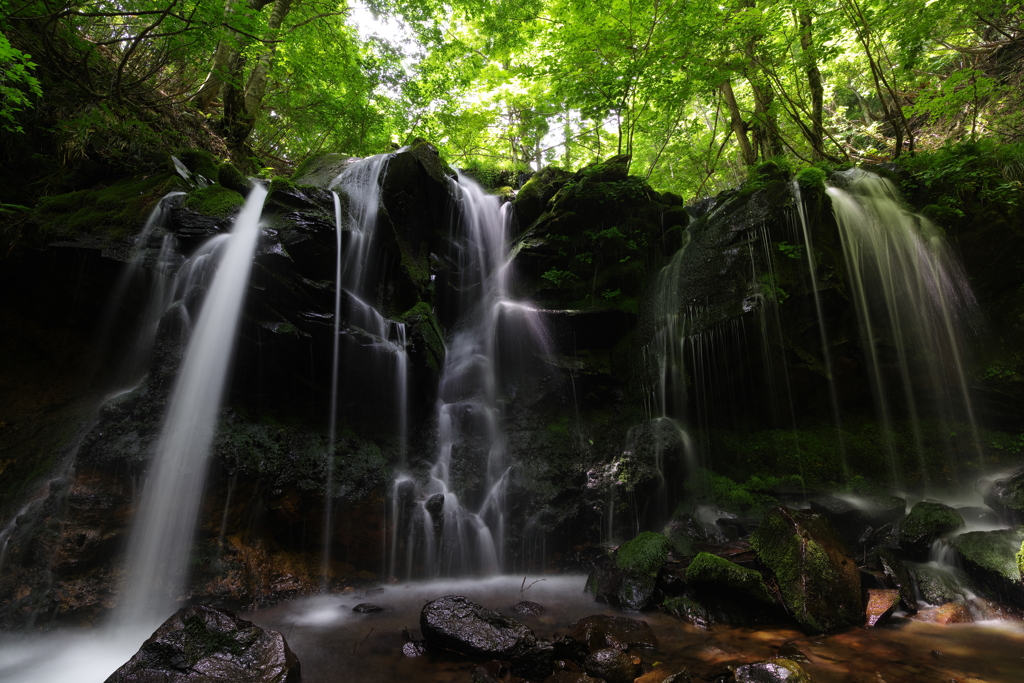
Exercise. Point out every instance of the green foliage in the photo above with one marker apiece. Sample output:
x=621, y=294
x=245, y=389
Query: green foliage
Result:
x=645, y=554
x=115, y=211
x=793, y=251
x=812, y=178
x=17, y=84
x=1020, y=559
x=752, y=496
x=560, y=278
x=956, y=175
x=770, y=288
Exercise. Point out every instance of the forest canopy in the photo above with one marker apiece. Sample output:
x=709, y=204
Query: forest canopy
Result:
x=694, y=91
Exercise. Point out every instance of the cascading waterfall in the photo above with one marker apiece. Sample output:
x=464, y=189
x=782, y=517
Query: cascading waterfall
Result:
x=458, y=532
x=161, y=537
x=910, y=292
x=360, y=183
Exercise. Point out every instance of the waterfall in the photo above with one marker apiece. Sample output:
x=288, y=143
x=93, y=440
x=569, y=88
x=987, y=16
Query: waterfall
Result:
x=459, y=530
x=161, y=537
x=355, y=228
x=911, y=295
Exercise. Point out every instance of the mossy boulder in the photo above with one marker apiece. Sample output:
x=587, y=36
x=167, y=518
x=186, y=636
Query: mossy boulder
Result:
x=818, y=578
x=684, y=533
x=533, y=198
x=1006, y=497
x=320, y=170
x=926, y=522
x=215, y=200
x=231, y=178
x=777, y=670
x=199, y=162
x=644, y=554
x=990, y=559
x=940, y=585
x=717, y=576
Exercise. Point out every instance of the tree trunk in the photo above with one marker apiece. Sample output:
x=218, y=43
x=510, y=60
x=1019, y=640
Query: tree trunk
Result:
x=817, y=130
x=738, y=126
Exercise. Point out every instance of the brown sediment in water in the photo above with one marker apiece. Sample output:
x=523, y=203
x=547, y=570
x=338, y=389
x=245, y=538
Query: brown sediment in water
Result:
x=333, y=643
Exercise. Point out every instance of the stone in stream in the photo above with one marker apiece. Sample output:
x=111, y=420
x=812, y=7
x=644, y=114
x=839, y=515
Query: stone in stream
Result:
x=881, y=604
x=600, y=631
x=989, y=558
x=818, y=578
x=896, y=575
x=458, y=624
x=772, y=671
x=939, y=585
x=926, y=522
x=611, y=665
x=665, y=674
x=201, y=644
x=367, y=608
x=527, y=607
x=1006, y=497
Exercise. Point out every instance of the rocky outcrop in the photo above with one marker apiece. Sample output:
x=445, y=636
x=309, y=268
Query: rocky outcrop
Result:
x=990, y=559
x=926, y=522
x=200, y=644
x=1006, y=497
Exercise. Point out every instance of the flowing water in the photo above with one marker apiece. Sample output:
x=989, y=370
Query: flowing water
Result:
x=451, y=530
x=161, y=536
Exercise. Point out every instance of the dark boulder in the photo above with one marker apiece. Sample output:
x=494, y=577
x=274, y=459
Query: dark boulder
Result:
x=926, y=522
x=603, y=583
x=852, y=515
x=367, y=608
x=772, y=671
x=897, y=576
x=685, y=532
x=535, y=663
x=818, y=578
x=1006, y=497
x=205, y=644
x=611, y=665
x=939, y=585
x=715, y=577
x=601, y=631
x=990, y=559
x=458, y=624
x=635, y=592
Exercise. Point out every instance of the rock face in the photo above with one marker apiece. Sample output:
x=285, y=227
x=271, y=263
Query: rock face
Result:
x=772, y=671
x=201, y=644
x=926, y=522
x=818, y=578
x=458, y=624
x=852, y=515
x=881, y=604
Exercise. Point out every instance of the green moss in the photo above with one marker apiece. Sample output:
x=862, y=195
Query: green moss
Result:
x=992, y=551
x=1020, y=559
x=926, y=522
x=114, y=211
x=199, y=161
x=215, y=200
x=200, y=642
x=711, y=572
x=422, y=326
x=280, y=183
x=811, y=178
x=231, y=178
x=533, y=197
x=645, y=554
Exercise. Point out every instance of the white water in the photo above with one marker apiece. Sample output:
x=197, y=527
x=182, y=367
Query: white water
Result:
x=161, y=537
x=468, y=537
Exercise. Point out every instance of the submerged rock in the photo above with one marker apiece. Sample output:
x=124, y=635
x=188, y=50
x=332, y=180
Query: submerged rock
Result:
x=817, y=576
x=939, y=585
x=367, y=607
x=528, y=607
x=1006, y=497
x=203, y=644
x=772, y=671
x=600, y=631
x=926, y=522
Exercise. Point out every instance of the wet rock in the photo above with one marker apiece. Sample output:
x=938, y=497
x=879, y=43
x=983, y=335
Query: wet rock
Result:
x=952, y=613
x=772, y=671
x=635, y=591
x=896, y=575
x=717, y=578
x=414, y=649
x=926, y=522
x=939, y=585
x=367, y=607
x=320, y=170
x=603, y=583
x=611, y=665
x=665, y=674
x=816, y=574
x=601, y=631
x=528, y=607
x=684, y=532
x=205, y=644
x=533, y=197
x=491, y=672
x=456, y=623
x=571, y=677
x=881, y=605
x=1006, y=497
x=851, y=515
x=535, y=663
x=989, y=559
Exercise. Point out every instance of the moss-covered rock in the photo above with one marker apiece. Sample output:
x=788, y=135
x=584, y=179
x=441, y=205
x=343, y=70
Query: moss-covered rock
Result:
x=990, y=559
x=534, y=196
x=926, y=522
x=644, y=554
x=199, y=162
x=684, y=532
x=320, y=170
x=818, y=578
x=231, y=178
x=777, y=670
x=215, y=200
x=718, y=576
x=425, y=336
